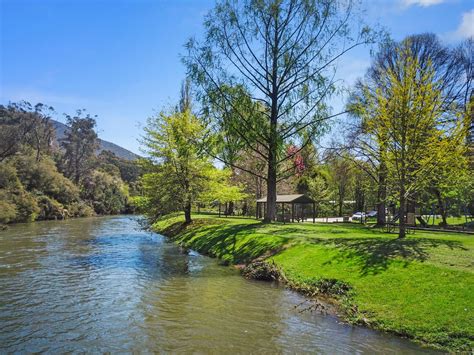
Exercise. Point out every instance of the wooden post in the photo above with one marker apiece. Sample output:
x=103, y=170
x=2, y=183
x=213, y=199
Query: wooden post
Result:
x=257, y=215
x=314, y=212
x=293, y=212
x=283, y=211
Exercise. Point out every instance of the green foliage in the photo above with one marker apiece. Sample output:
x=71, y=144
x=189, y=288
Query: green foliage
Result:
x=178, y=171
x=129, y=170
x=42, y=176
x=27, y=208
x=80, y=209
x=22, y=125
x=49, y=208
x=32, y=188
x=7, y=208
x=219, y=188
x=179, y=174
x=79, y=146
x=106, y=193
x=407, y=118
x=8, y=177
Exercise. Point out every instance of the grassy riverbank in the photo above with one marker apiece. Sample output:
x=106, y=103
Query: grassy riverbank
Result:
x=421, y=287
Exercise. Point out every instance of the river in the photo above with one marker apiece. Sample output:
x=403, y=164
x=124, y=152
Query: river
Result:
x=106, y=285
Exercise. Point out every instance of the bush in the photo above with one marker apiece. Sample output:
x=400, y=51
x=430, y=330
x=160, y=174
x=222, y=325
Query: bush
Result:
x=50, y=208
x=8, y=177
x=7, y=210
x=80, y=209
x=106, y=193
x=43, y=176
x=27, y=208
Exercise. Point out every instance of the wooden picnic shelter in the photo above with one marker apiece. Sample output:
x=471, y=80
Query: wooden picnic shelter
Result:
x=297, y=204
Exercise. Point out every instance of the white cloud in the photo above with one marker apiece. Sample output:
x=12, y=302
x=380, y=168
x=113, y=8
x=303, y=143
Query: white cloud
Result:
x=423, y=3
x=466, y=28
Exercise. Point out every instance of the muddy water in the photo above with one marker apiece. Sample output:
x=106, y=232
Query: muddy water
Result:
x=103, y=284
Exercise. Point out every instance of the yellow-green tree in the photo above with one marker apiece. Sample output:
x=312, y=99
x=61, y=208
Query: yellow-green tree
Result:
x=410, y=115
x=178, y=171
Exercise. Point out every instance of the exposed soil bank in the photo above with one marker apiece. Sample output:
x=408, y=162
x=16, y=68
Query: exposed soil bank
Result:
x=420, y=288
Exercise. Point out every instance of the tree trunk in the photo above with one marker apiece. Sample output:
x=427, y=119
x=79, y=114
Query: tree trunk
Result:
x=270, y=213
x=382, y=190
x=381, y=196
x=273, y=134
x=442, y=209
x=340, y=205
x=401, y=214
x=231, y=208
x=187, y=213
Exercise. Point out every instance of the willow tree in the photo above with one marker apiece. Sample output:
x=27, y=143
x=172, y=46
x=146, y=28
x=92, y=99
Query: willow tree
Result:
x=284, y=54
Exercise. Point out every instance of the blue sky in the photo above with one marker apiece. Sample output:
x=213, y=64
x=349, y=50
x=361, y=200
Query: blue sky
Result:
x=120, y=59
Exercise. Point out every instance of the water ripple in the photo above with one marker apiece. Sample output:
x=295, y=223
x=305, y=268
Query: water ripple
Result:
x=104, y=285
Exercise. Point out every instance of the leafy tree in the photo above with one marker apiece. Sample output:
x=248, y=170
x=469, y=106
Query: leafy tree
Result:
x=451, y=69
x=283, y=54
x=43, y=177
x=409, y=111
x=106, y=193
x=220, y=189
x=80, y=144
x=341, y=179
x=22, y=124
x=178, y=171
x=129, y=171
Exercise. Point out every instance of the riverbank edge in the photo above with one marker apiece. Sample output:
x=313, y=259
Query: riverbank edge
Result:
x=332, y=292
x=4, y=227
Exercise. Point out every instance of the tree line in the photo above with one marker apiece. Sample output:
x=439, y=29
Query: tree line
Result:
x=42, y=177
x=263, y=77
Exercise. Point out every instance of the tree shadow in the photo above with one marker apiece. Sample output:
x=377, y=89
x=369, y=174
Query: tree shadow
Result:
x=375, y=255
x=236, y=243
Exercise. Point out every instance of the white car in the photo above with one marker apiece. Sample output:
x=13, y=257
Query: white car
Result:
x=372, y=214
x=358, y=216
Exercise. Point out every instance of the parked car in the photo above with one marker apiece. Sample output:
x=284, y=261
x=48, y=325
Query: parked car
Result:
x=358, y=216
x=371, y=214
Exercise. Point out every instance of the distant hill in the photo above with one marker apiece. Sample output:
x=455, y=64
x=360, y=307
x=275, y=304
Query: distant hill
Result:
x=123, y=153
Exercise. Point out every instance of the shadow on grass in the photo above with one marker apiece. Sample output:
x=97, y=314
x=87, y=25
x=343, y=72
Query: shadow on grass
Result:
x=235, y=243
x=242, y=243
x=375, y=255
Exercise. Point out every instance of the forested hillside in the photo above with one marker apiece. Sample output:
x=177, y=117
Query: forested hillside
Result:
x=43, y=176
x=61, y=129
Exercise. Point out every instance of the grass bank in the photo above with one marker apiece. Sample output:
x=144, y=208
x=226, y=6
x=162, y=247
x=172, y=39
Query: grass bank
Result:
x=421, y=287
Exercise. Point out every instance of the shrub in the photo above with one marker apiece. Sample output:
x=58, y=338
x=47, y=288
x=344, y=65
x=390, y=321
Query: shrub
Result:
x=80, y=209
x=7, y=210
x=8, y=177
x=49, y=208
x=43, y=176
x=26, y=206
x=106, y=193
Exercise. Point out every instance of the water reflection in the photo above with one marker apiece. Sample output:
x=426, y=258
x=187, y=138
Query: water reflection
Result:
x=103, y=285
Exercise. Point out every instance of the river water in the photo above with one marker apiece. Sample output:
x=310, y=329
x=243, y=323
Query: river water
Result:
x=105, y=285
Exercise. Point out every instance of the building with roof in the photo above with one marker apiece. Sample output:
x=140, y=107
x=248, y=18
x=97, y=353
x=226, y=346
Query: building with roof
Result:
x=289, y=208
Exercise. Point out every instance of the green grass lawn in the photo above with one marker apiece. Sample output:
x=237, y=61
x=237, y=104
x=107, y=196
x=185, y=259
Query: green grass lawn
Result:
x=421, y=287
